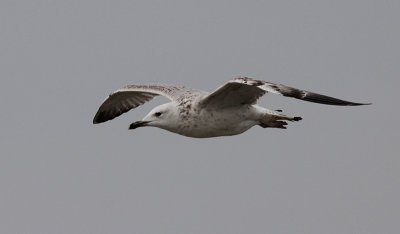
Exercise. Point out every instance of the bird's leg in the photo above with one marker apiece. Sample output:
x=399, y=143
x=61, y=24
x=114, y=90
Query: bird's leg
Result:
x=284, y=117
x=274, y=124
x=274, y=120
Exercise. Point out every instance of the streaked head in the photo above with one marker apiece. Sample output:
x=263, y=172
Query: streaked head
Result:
x=161, y=116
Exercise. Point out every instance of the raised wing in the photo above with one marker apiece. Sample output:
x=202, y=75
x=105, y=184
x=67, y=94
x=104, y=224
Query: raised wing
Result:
x=132, y=96
x=246, y=90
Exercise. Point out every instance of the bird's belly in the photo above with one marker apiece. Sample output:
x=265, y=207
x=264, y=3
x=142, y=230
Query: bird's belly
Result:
x=216, y=123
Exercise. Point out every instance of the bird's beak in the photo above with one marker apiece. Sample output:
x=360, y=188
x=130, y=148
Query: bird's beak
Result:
x=138, y=124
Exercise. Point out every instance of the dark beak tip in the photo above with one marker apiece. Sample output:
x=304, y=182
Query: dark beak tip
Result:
x=137, y=124
x=133, y=126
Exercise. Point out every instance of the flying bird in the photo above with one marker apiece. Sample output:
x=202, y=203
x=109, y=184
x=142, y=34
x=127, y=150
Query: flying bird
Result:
x=229, y=110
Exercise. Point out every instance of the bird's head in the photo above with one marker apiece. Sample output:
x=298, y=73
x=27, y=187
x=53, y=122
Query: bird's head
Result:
x=162, y=116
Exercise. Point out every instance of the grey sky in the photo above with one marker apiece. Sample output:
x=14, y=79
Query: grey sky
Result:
x=337, y=171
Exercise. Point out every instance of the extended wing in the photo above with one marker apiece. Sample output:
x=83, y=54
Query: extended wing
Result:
x=245, y=90
x=130, y=97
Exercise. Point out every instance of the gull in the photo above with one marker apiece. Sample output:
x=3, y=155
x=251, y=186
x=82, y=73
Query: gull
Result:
x=229, y=110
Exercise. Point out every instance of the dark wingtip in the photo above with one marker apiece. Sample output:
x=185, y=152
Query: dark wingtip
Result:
x=99, y=118
x=358, y=104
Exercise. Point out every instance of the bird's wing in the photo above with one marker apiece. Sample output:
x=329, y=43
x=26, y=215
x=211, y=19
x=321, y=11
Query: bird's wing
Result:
x=132, y=96
x=245, y=90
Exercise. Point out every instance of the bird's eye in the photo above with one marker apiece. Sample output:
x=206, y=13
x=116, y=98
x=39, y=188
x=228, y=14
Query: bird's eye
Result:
x=158, y=114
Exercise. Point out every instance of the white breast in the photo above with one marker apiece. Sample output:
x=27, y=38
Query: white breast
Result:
x=212, y=123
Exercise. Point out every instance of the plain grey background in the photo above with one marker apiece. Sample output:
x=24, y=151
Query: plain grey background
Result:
x=337, y=171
